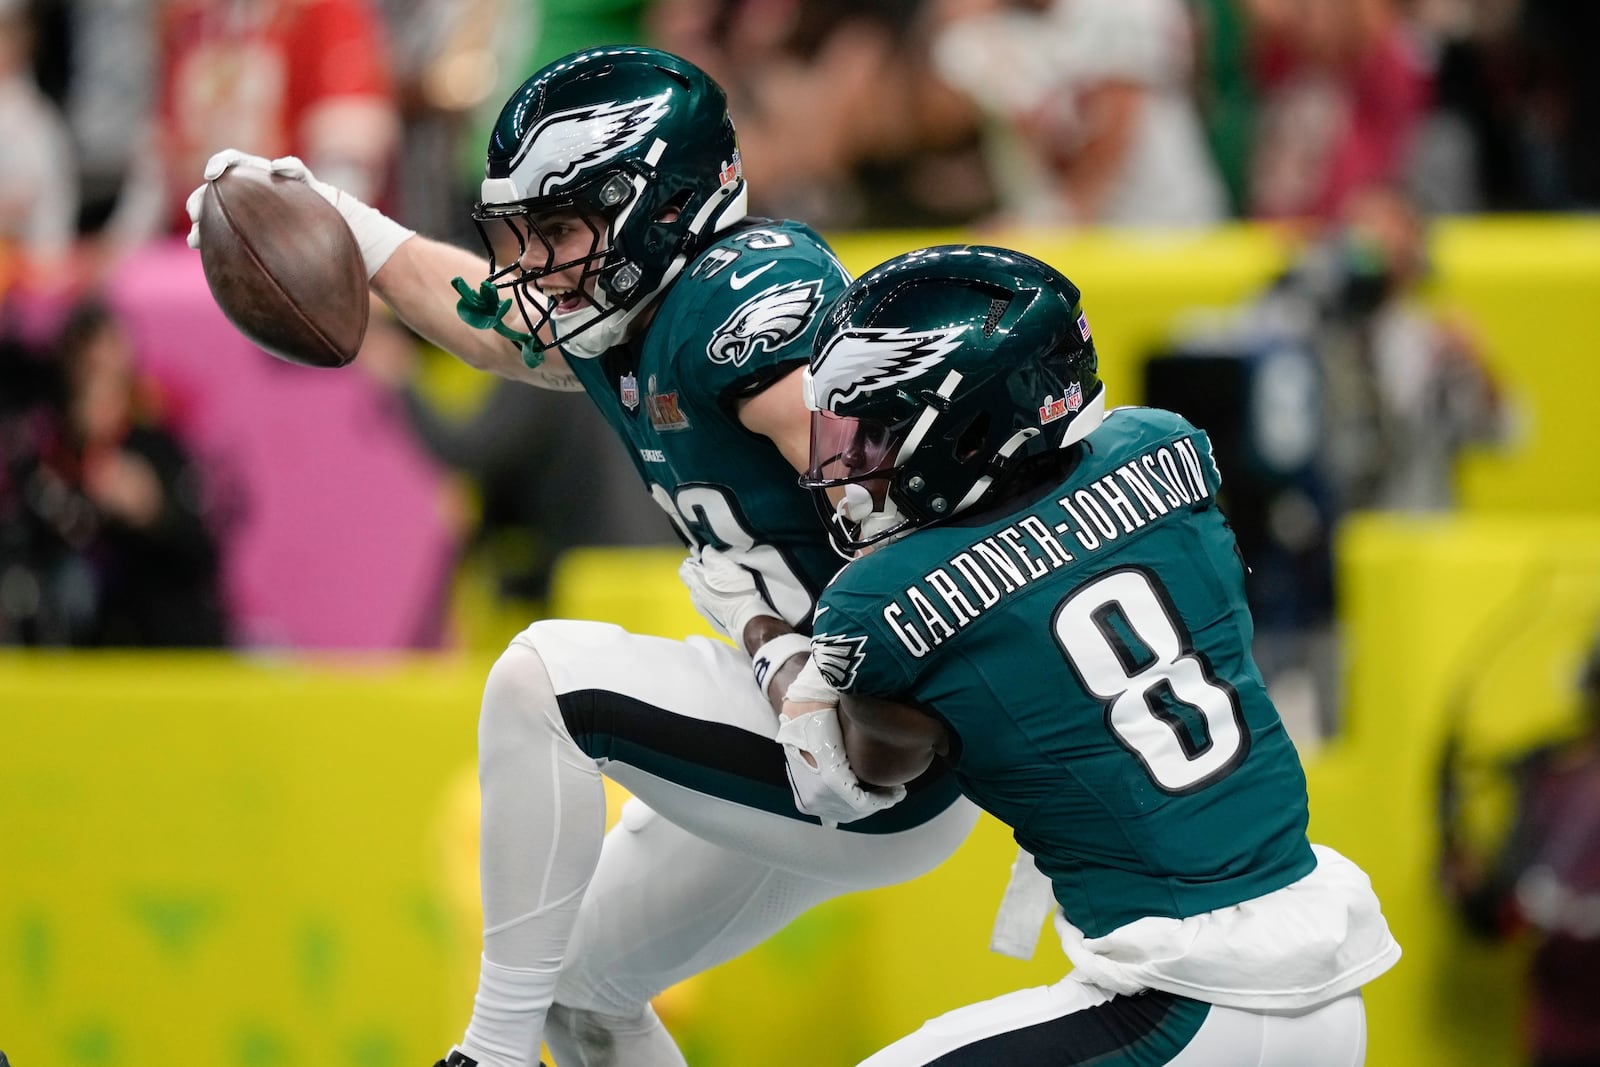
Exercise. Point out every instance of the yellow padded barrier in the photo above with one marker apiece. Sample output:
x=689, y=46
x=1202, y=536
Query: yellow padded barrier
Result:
x=228, y=862
x=1474, y=624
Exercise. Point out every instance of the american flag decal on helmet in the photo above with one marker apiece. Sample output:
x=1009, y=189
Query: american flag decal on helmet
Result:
x=1083, y=326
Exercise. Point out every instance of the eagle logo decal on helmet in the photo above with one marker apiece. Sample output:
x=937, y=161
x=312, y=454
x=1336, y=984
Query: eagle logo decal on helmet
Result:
x=838, y=658
x=862, y=361
x=769, y=320
x=567, y=143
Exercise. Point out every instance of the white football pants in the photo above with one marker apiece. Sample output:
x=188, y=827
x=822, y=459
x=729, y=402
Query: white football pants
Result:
x=1073, y=1023
x=709, y=860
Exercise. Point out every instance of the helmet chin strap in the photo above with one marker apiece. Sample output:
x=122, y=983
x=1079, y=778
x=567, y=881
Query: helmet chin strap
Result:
x=588, y=343
x=879, y=522
x=596, y=340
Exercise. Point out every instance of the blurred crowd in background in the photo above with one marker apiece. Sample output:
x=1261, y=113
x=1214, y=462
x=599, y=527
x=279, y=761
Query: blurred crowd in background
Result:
x=1354, y=121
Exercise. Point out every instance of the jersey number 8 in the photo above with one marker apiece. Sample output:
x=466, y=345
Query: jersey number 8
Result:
x=1123, y=638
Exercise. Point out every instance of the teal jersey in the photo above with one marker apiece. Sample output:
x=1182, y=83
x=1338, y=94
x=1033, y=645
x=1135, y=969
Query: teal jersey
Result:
x=740, y=317
x=1090, y=653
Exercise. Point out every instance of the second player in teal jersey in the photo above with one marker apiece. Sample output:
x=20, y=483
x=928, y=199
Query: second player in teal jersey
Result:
x=1047, y=598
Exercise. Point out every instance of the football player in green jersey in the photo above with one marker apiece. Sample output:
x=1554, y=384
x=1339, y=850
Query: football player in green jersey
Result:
x=1046, y=598
x=622, y=264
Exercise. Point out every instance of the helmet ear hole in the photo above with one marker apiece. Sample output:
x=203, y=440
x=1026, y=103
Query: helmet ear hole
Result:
x=972, y=437
x=674, y=208
x=676, y=75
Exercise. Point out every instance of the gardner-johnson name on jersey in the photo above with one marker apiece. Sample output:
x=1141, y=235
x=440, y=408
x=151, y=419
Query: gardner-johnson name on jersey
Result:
x=1147, y=489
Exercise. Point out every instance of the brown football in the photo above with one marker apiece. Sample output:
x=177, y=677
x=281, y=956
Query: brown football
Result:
x=283, y=267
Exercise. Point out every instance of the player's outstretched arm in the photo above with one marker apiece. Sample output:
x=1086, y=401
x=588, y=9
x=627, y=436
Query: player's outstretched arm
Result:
x=416, y=282
x=412, y=274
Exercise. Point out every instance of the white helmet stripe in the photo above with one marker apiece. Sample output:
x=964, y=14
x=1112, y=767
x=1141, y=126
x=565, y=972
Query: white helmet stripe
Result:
x=981, y=486
x=919, y=429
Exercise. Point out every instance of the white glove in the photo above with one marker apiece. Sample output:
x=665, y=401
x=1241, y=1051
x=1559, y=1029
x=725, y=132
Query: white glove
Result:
x=376, y=233
x=820, y=776
x=725, y=593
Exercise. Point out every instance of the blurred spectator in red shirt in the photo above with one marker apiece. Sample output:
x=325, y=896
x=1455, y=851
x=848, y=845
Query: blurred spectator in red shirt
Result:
x=309, y=78
x=1342, y=96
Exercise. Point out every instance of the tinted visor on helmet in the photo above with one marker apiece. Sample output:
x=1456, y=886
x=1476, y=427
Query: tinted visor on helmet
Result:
x=845, y=449
x=851, y=470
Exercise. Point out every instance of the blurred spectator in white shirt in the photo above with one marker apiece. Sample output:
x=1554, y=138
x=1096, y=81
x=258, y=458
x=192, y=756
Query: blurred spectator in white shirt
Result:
x=109, y=92
x=1091, y=109
x=38, y=172
x=842, y=120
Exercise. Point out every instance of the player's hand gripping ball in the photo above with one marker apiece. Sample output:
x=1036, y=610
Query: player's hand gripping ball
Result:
x=283, y=266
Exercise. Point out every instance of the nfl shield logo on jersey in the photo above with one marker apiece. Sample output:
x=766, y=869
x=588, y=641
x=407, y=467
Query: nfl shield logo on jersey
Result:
x=628, y=391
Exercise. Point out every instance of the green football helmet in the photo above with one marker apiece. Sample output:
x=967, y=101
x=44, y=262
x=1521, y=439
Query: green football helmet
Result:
x=638, y=145
x=933, y=376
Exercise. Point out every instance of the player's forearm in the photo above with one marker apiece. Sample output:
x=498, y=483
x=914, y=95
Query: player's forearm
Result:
x=1087, y=177
x=759, y=631
x=415, y=281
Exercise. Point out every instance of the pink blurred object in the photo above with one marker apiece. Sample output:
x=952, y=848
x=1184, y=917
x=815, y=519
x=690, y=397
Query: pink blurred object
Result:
x=339, y=540
x=1340, y=102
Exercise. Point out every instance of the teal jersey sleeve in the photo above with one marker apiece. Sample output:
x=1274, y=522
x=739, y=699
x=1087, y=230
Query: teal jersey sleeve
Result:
x=741, y=316
x=1089, y=652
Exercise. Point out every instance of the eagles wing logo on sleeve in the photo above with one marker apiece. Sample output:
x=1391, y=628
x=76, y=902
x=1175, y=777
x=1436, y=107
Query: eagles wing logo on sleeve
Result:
x=771, y=319
x=568, y=141
x=865, y=360
x=838, y=658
